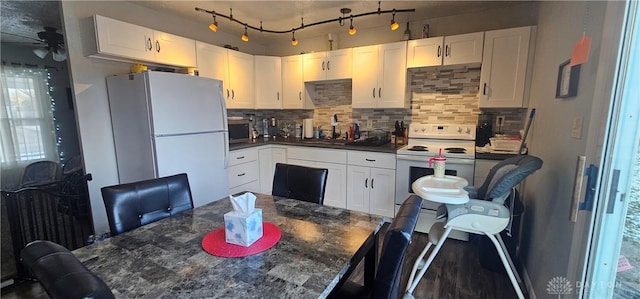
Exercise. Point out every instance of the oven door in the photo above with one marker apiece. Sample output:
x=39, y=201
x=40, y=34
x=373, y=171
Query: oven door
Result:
x=410, y=168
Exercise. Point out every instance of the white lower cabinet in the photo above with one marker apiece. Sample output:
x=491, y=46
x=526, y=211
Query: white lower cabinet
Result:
x=331, y=159
x=268, y=157
x=371, y=182
x=244, y=171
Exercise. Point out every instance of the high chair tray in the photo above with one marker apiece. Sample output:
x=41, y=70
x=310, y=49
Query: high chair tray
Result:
x=447, y=189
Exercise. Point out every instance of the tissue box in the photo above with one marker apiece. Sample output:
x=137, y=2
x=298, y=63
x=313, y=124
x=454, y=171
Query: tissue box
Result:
x=243, y=230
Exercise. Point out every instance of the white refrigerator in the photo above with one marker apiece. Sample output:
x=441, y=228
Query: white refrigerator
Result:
x=167, y=123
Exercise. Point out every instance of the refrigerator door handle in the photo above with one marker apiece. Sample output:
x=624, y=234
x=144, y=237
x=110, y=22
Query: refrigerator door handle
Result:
x=226, y=150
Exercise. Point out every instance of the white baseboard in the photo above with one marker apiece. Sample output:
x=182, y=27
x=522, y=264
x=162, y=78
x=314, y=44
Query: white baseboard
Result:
x=7, y=283
x=527, y=283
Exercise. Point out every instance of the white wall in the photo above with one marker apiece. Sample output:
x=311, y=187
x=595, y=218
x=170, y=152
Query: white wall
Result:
x=547, y=247
x=89, y=84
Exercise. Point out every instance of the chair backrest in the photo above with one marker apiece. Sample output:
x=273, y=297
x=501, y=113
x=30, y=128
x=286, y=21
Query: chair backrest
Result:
x=60, y=273
x=505, y=175
x=394, y=249
x=72, y=165
x=41, y=172
x=300, y=182
x=135, y=204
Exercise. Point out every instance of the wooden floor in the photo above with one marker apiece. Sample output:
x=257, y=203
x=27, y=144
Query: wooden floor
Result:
x=455, y=273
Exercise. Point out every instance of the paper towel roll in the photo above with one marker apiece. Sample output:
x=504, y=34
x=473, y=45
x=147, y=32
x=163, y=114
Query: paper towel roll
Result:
x=307, y=126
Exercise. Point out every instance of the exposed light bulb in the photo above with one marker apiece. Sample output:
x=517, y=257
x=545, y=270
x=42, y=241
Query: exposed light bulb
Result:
x=245, y=36
x=352, y=30
x=394, y=24
x=294, y=41
x=214, y=25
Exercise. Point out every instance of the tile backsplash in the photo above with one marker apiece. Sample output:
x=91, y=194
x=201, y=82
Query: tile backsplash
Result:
x=438, y=95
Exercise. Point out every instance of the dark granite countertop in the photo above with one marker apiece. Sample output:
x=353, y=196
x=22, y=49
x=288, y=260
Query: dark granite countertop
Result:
x=165, y=259
x=321, y=143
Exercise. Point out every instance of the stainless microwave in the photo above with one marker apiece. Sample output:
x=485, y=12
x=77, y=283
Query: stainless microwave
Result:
x=239, y=130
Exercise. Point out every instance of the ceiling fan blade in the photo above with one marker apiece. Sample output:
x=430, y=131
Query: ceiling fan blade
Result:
x=22, y=36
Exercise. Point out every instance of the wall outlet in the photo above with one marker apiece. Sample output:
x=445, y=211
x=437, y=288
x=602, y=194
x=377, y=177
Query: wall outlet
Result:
x=369, y=124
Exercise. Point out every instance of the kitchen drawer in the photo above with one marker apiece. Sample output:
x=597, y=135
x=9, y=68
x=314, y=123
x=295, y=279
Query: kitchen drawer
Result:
x=250, y=187
x=370, y=159
x=242, y=156
x=317, y=154
x=243, y=173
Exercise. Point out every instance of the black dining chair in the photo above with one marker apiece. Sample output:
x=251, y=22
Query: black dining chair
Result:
x=300, y=182
x=60, y=273
x=136, y=204
x=394, y=249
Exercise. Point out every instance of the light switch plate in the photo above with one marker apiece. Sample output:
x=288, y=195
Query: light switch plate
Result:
x=576, y=127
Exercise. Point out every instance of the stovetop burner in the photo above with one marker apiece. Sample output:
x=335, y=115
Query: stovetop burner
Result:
x=455, y=150
x=418, y=148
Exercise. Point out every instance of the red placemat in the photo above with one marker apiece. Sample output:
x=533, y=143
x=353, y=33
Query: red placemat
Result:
x=214, y=242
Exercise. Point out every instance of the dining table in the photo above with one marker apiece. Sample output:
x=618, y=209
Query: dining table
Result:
x=318, y=249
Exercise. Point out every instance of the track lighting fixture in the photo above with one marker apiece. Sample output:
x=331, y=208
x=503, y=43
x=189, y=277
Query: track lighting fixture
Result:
x=294, y=41
x=346, y=13
x=214, y=25
x=394, y=24
x=245, y=36
x=352, y=30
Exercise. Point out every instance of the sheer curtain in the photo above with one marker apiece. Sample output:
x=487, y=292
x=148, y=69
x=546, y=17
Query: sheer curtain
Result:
x=27, y=129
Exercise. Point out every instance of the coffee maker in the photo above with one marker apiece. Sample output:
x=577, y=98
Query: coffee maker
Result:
x=484, y=130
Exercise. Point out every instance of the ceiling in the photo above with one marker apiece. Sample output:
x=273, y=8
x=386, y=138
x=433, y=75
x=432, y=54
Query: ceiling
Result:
x=22, y=20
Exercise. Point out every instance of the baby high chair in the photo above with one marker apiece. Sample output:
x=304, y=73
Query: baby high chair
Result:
x=484, y=213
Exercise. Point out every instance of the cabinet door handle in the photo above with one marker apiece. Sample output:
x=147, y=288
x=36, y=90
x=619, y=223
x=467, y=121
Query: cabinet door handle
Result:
x=227, y=93
x=278, y=96
x=370, y=160
x=328, y=66
x=241, y=174
x=158, y=46
x=365, y=183
x=484, y=89
x=371, y=183
x=233, y=94
x=149, y=43
x=446, y=51
x=373, y=91
x=240, y=158
x=323, y=65
x=439, y=51
x=380, y=92
x=300, y=95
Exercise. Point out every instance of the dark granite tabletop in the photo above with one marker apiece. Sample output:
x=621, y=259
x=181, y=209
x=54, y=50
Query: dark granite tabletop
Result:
x=322, y=143
x=165, y=259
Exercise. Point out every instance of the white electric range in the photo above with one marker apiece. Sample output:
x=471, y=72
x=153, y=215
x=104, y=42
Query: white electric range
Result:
x=455, y=141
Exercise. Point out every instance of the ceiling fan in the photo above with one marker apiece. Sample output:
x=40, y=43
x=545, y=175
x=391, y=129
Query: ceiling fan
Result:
x=52, y=42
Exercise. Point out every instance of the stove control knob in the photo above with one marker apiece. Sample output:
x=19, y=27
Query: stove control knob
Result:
x=415, y=130
x=423, y=129
x=468, y=130
x=459, y=130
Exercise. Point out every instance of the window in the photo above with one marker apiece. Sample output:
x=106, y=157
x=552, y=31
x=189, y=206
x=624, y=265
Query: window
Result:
x=26, y=120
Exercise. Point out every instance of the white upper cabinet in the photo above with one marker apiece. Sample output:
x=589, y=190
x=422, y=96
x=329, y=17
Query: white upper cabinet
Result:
x=240, y=92
x=234, y=68
x=380, y=81
x=425, y=52
x=268, y=82
x=293, y=90
x=448, y=50
x=212, y=62
x=124, y=41
x=331, y=65
x=506, y=67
